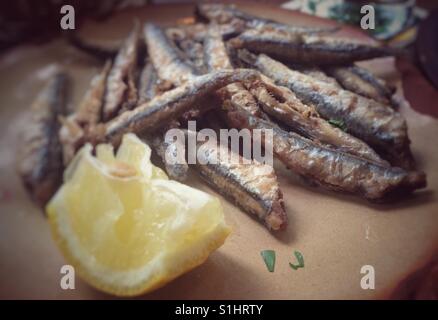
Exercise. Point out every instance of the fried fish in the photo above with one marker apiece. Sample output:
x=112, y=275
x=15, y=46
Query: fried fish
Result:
x=285, y=107
x=217, y=59
x=327, y=167
x=304, y=49
x=198, y=32
x=381, y=127
x=166, y=150
x=229, y=15
x=362, y=82
x=40, y=158
x=87, y=115
x=171, y=104
x=251, y=186
x=169, y=64
x=317, y=73
x=194, y=52
x=121, y=92
x=148, y=86
x=89, y=111
x=215, y=53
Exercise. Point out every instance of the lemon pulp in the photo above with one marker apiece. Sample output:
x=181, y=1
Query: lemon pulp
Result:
x=125, y=226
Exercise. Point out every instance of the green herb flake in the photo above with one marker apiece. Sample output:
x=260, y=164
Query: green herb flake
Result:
x=269, y=258
x=300, y=259
x=338, y=123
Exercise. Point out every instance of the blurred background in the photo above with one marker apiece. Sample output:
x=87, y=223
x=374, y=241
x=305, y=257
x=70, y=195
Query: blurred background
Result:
x=409, y=24
x=397, y=21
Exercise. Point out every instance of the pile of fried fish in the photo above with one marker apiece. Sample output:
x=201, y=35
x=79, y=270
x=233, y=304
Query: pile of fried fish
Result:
x=334, y=123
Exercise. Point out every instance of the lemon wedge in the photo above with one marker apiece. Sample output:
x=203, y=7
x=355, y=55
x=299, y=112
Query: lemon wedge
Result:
x=125, y=227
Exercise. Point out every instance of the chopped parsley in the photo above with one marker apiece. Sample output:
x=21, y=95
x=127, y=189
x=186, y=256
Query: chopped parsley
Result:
x=300, y=259
x=269, y=258
x=338, y=123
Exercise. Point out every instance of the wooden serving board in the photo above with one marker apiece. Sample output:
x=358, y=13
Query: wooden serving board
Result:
x=337, y=234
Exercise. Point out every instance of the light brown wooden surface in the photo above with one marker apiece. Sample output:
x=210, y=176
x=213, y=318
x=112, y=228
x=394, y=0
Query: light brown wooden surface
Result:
x=337, y=234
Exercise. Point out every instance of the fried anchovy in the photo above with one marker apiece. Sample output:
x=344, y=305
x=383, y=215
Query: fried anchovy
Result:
x=215, y=53
x=171, y=104
x=165, y=58
x=148, y=86
x=172, y=66
x=87, y=115
x=237, y=94
x=148, y=89
x=197, y=32
x=89, y=111
x=195, y=53
x=40, y=158
x=223, y=14
x=189, y=44
x=283, y=105
x=280, y=28
x=330, y=168
x=168, y=150
x=220, y=14
x=121, y=92
x=308, y=49
x=362, y=82
x=251, y=185
x=317, y=73
x=98, y=51
x=379, y=126
x=71, y=136
x=216, y=58
x=171, y=60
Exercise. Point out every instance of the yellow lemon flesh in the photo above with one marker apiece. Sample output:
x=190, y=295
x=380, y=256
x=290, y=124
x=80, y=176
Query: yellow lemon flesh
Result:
x=127, y=228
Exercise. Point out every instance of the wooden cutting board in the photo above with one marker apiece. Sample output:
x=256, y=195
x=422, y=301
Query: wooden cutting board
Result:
x=337, y=234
